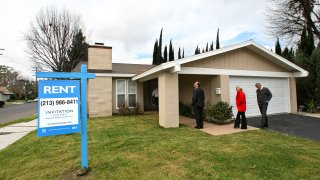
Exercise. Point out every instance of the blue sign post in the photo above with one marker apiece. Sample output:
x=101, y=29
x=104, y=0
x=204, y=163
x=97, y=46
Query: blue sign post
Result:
x=65, y=88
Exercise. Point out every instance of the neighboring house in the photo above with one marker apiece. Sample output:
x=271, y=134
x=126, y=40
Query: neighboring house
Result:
x=4, y=95
x=219, y=72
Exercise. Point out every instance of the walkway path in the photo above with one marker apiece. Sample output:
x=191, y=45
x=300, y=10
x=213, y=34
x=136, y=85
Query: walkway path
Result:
x=214, y=129
x=317, y=115
x=14, y=132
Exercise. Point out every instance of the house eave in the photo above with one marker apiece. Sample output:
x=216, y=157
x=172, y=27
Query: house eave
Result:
x=175, y=66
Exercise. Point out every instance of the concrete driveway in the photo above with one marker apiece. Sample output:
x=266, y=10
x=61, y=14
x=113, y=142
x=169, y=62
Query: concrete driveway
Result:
x=302, y=126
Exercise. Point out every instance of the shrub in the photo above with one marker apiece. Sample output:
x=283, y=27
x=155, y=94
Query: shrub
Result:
x=220, y=112
x=186, y=110
x=312, y=106
x=126, y=111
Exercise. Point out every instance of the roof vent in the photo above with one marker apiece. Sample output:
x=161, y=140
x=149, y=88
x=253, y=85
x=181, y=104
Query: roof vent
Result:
x=98, y=43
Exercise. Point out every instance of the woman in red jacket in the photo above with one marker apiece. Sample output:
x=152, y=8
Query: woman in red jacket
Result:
x=242, y=107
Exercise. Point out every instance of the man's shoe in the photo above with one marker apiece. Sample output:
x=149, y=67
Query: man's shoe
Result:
x=196, y=127
x=244, y=128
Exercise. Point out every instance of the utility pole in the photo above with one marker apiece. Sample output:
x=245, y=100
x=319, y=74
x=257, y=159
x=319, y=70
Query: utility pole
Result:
x=36, y=85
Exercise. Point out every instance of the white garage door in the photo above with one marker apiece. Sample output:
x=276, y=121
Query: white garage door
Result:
x=278, y=87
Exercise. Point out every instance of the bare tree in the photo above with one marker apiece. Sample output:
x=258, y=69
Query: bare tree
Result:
x=50, y=37
x=7, y=75
x=287, y=18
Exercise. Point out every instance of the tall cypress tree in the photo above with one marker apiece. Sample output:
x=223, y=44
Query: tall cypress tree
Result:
x=278, y=47
x=311, y=45
x=159, y=52
x=171, y=52
x=179, y=53
x=288, y=54
x=197, y=51
x=183, y=53
x=207, y=48
x=311, y=83
x=305, y=86
x=155, y=53
x=165, y=54
x=303, y=44
x=285, y=53
x=315, y=58
x=291, y=54
x=217, y=41
x=211, y=46
x=202, y=50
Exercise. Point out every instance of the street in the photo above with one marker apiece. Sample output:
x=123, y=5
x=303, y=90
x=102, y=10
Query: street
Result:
x=13, y=112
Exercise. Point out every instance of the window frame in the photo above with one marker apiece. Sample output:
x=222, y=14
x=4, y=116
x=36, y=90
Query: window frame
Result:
x=126, y=93
x=117, y=106
x=132, y=94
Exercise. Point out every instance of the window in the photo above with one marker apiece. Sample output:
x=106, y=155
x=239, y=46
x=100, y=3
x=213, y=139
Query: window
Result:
x=121, y=92
x=126, y=93
x=132, y=93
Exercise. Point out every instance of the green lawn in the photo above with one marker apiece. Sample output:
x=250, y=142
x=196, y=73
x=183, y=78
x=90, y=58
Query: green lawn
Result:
x=136, y=147
x=25, y=119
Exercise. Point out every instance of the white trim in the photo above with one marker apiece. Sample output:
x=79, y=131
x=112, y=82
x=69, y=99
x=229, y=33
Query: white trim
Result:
x=154, y=70
x=210, y=71
x=289, y=98
x=250, y=44
x=175, y=68
x=114, y=75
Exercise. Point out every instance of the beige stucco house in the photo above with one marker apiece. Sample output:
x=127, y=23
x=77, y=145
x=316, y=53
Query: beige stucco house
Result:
x=219, y=72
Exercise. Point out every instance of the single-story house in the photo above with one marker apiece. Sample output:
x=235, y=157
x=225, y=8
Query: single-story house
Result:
x=219, y=72
x=4, y=95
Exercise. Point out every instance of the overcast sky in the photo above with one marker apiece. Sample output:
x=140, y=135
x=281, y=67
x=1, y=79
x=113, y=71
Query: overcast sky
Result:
x=131, y=27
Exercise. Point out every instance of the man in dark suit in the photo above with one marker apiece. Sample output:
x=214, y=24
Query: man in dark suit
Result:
x=263, y=97
x=198, y=104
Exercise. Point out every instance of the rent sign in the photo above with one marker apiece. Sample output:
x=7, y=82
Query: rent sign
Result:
x=59, y=107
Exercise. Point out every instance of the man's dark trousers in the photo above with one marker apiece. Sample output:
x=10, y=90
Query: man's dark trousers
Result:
x=199, y=116
x=263, y=106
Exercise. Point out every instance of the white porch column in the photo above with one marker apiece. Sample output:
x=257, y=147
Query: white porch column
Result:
x=168, y=100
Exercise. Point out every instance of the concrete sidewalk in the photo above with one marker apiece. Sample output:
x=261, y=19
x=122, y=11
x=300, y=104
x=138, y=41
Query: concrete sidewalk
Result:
x=316, y=115
x=214, y=129
x=14, y=132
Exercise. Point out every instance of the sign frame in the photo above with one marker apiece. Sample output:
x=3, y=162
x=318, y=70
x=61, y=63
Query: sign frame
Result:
x=52, y=119
x=83, y=76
